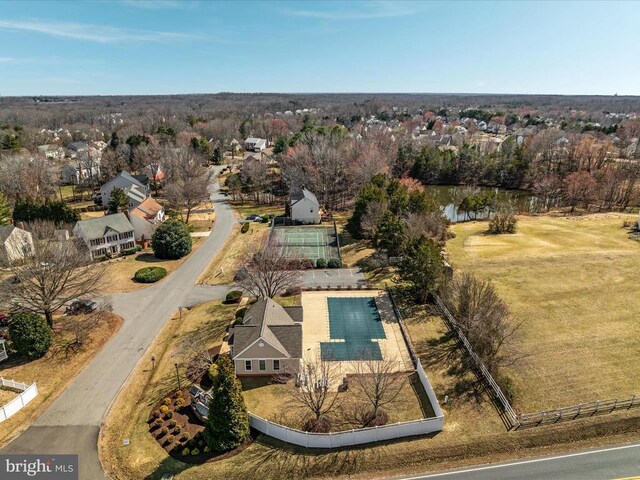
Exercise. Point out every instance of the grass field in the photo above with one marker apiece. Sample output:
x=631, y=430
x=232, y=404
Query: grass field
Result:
x=571, y=281
x=238, y=250
x=54, y=371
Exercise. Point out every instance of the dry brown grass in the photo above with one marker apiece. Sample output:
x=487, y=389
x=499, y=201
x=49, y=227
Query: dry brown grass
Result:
x=120, y=271
x=237, y=251
x=53, y=372
x=571, y=281
x=6, y=395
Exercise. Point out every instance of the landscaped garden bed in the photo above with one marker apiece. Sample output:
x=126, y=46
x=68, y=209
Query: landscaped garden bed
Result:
x=180, y=433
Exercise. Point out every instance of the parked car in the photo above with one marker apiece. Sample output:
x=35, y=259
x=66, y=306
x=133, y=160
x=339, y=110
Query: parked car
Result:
x=254, y=217
x=81, y=306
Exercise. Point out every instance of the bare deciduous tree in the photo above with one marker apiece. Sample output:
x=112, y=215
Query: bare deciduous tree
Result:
x=188, y=180
x=270, y=272
x=483, y=317
x=53, y=274
x=379, y=382
x=314, y=393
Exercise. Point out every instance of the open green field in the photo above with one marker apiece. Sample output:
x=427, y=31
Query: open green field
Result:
x=572, y=283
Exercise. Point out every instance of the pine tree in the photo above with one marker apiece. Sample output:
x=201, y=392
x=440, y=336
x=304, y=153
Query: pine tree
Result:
x=118, y=200
x=228, y=424
x=217, y=156
x=422, y=267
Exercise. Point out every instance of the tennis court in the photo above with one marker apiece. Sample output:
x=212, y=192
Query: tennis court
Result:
x=357, y=323
x=307, y=242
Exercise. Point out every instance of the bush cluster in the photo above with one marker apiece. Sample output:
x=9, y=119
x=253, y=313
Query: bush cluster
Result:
x=171, y=240
x=30, y=334
x=245, y=228
x=233, y=296
x=150, y=274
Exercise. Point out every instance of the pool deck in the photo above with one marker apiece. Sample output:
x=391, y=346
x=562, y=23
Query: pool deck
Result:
x=315, y=328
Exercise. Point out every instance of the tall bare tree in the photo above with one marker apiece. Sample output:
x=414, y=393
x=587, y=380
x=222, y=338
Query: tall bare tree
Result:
x=380, y=382
x=188, y=180
x=270, y=272
x=315, y=393
x=52, y=274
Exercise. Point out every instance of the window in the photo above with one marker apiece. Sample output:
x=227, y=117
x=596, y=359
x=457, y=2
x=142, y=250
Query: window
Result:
x=276, y=365
x=247, y=365
x=263, y=365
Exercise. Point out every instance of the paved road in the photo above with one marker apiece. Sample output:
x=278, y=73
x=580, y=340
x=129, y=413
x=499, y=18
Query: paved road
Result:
x=71, y=424
x=619, y=462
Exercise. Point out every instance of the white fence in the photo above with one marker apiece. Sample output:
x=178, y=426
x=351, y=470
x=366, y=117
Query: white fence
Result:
x=28, y=393
x=349, y=437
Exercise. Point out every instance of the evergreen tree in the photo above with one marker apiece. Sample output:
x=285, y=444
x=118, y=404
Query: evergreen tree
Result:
x=228, y=423
x=118, y=201
x=422, y=267
x=115, y=140
x=171, y=240
x=217, y=156
x=392, y=234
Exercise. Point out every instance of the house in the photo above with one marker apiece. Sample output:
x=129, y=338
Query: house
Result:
x=253, y=144
x=15, y=243
x=146, y=217
x=53, y=151
x=85, y=169
x=154, y=172
x=76, y=149
x=135, y=187
x=303, y=206
x=268, y=341
x=107, y=235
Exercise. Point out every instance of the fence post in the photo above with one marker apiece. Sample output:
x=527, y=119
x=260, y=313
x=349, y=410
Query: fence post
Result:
x=632, y=399
x=597, y=407
x=579, y=410
x=615, y=404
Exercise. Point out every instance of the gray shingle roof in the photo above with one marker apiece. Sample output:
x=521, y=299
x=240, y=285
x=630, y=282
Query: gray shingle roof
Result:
x=97, y=227
x=5, y=231
x=269, y=321
x=298, y=194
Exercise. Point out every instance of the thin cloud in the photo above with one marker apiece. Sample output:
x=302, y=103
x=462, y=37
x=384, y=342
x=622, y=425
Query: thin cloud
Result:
x=94, y=33
x=7, y=59
x=362, y=11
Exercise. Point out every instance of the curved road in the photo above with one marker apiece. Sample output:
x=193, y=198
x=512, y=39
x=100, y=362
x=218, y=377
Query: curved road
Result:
x=71, y=424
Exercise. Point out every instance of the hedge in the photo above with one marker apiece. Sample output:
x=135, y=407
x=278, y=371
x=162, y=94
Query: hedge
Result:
x=30, y=334
x=245, y=228
x=334, y=263
x=321, y=263
x=129, y=251
x=150, y=274
x=233, y=296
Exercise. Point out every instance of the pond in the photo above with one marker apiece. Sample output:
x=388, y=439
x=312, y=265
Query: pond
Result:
x=449, y=198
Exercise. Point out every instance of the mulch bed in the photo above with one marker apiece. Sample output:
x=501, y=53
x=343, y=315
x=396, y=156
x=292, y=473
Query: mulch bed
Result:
x=174, y=442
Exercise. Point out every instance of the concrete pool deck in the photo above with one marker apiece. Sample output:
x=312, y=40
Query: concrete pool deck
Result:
x=315, y=328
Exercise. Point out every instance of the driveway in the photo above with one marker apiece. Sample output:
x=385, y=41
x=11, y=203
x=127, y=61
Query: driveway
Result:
x=334, y=277
x=71, y=424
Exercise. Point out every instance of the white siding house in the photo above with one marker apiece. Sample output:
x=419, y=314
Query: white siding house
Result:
x=106, y=235
x=146, y=217
x=253, y=144
x=134, y=188
x=304, y=206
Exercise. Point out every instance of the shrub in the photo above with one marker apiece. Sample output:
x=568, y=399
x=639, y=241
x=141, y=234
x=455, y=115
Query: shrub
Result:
x=166, y=401
x=240, y=312
x=234, y=296
x=167, y=441
x=172, y=424
x=185, y=437
x=179, y=403
x=129, y=251
x=195, y=451
x=164, y=409
x=178, y=394
x=138, y=248
x=155, y=414
x=207, y=449
x=186, y=452
x=30, y=334
x=504, y=221
x=177, y=430
x=245, y=228
x=311, y=262
x=171, y=240
x=334, y=263
x=150, y=274
x=168, y=415
x=321, y=263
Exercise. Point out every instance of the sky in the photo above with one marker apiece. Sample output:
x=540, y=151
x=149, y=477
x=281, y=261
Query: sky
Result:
x=172, y=46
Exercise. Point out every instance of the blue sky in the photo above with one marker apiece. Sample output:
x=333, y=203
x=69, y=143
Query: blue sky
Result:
x=172, y=46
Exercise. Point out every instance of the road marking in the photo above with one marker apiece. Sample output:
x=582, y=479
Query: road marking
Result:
x=524, y=462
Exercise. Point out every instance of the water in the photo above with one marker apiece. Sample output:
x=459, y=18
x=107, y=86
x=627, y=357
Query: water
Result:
x=449, y=198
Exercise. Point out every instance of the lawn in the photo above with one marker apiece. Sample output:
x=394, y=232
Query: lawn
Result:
x=571, y=281
x=120, y=271
x=247, y=208
x=55, y=370
x=238, y=250
x=271, y=401
x=6, y=395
